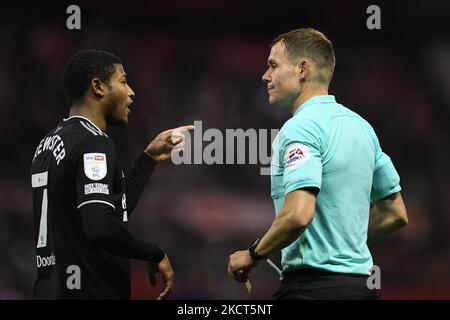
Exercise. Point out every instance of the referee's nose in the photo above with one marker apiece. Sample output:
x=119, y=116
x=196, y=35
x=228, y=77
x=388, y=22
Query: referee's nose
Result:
x=265, y=77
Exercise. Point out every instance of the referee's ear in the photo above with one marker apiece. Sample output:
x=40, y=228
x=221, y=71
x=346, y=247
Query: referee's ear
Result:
x=304, y=69
x=98, y=87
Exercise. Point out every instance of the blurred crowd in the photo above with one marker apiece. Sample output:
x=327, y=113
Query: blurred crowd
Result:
x=204, y=71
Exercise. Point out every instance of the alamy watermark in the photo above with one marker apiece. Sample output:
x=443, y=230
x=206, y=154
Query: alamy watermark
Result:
x=374, y=280
x=74, y=20
x=374, y=20
x=232, y=146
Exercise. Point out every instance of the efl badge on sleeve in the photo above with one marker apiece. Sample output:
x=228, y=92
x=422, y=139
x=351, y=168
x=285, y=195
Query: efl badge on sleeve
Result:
x=95, y=166
x=296, y=154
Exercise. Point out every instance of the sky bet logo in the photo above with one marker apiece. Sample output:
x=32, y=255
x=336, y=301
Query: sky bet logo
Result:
x=95, y=157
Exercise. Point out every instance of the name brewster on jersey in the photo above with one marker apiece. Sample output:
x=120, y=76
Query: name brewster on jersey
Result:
x=54, y=143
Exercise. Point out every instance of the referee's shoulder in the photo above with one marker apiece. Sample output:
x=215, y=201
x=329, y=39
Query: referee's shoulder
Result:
x=305, y=120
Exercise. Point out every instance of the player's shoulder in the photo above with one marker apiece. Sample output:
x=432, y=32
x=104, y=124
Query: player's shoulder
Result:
x=79, y=128
x=82, y=126
x=81, y=134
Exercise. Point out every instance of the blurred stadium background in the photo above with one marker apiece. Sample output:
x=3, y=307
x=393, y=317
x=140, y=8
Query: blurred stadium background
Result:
x=203, y=60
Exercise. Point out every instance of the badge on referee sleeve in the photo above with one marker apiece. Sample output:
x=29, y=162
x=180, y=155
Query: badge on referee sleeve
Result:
x=295, y=155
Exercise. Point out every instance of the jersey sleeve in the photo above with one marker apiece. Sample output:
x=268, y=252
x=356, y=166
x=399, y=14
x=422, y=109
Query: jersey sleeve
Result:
x=94, y=161
x=386, y=180
x=137, y=178
x=102, y=228
x=300, y=154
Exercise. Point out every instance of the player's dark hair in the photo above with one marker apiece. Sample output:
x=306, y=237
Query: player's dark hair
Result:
x=311, y=44
x=85, y=65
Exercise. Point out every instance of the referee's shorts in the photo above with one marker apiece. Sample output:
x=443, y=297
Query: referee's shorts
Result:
x=314, y=284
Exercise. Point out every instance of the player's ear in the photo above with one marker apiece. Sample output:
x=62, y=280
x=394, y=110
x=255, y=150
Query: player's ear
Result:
x=98, y=87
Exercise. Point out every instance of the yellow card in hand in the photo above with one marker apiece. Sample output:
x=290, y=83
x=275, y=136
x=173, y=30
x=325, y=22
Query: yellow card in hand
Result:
x=248, y=285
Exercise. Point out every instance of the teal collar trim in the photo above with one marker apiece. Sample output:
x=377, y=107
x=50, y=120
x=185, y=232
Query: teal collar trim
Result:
x=315, y=100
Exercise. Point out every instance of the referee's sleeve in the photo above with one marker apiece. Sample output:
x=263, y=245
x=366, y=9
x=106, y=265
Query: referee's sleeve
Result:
x=300, y=155
x=386, y=180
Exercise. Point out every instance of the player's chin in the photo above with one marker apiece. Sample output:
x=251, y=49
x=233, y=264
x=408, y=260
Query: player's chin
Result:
x=119, y=122
x=124, y=121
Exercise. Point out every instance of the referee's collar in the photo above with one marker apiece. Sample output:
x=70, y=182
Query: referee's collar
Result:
x=315, y=100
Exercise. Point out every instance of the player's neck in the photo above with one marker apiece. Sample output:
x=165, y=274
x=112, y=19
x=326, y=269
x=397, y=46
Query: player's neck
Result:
x=308, y=93
x=89, y=112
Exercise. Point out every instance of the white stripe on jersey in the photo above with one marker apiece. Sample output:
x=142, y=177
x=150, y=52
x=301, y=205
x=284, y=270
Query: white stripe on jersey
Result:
x=90, y=122
x=42, y=237
x=96, y=201
x=95, y=133
x=93, y=128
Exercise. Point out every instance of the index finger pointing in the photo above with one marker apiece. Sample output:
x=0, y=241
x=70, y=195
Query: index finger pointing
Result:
x=185, y=128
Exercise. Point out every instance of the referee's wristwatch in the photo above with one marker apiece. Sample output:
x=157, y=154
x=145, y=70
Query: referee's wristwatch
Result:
x=253, y=253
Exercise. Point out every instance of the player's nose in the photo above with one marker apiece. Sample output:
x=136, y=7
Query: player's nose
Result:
x=131, y=93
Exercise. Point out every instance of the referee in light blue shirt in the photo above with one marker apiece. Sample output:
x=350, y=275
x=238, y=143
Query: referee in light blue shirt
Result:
x=333, y=188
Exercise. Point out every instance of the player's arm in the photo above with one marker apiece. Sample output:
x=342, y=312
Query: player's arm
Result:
x=94, y=160
x=95, y=165
x=160, y=149
x=108, y=233
x=136, y=180
x=386, y=216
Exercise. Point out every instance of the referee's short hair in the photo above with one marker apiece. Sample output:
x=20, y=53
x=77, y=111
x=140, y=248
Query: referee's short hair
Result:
x=85, y=65
x=312, y=44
